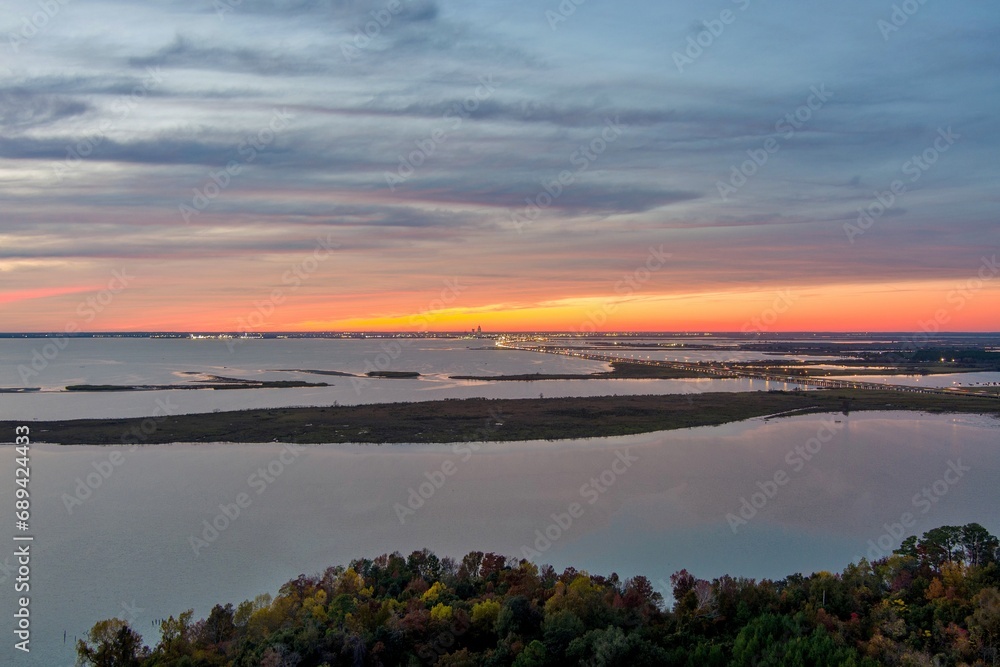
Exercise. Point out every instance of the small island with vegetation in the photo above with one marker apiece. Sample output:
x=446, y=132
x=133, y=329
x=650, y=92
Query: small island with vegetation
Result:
x=933, y=601
x=480, y=419
x=240, y=384
x=203, y=381
x=619, y=371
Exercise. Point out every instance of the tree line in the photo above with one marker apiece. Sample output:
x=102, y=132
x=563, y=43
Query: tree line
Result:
x=935, y=601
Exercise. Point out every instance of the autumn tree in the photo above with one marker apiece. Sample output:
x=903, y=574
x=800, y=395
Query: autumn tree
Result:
x=111, y=643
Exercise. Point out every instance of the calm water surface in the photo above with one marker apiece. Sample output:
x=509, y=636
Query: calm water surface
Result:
x=126, y=550
x=166, y=361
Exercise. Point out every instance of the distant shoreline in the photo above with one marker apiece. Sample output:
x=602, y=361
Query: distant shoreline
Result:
x=619, y=371
x=477, y=419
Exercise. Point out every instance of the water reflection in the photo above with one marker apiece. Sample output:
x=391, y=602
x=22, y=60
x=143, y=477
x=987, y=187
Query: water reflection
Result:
x=166, y=361
x=130, y=539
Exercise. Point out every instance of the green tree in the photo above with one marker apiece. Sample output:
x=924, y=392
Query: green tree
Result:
x=979, y=545
x=984, y=623
x=941, y=545
x=177, y=635
x=532, y=656
x=462, y=658
x=559, y=629
x=111, y=643
x=908, y=547
x=519, y=617
x=219, y=627
x=611, y=647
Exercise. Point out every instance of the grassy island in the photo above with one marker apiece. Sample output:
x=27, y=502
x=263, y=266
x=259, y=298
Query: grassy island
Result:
x=478, y=419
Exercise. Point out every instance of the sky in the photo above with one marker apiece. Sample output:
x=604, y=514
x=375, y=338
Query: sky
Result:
x=423, y=165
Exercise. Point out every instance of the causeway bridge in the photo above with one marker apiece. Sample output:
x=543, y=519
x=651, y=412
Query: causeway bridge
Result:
x=725, y=370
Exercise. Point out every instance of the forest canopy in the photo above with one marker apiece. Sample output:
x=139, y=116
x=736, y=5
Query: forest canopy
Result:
x=934, y=601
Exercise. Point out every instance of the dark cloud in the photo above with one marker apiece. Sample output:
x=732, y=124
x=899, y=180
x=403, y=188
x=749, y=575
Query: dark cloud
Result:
x=532, y=111
x=143, y=84
x=99, y=148
x=408, y=10
x=579, y=198
x=183, y=53
x=22, y=109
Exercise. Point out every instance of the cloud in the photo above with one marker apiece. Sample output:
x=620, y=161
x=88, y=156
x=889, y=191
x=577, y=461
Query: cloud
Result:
x=533, y=111
x=357, y=121
x=40, y=293
x=183, y=53
x=592, y=198
x=100, y=148
x=409, y=10
x=22, y=109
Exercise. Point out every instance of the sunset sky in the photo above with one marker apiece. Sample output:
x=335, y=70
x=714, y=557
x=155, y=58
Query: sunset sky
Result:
x=266, y=165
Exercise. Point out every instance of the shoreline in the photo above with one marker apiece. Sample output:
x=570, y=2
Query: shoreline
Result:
x=619, y=371
x=497, y=420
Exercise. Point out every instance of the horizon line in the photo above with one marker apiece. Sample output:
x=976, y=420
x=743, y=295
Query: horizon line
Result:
x=467, y=332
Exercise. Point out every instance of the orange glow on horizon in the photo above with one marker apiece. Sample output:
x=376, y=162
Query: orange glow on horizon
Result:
x=891, y=307
x=40, y=293
x=897, y=307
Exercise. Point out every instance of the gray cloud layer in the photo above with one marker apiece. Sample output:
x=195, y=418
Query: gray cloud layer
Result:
x=494, y=105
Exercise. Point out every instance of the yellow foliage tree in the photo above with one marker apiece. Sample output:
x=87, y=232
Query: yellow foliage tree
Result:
x=316, y=605
x=953, y=577
x=485, y=613
x=581, y=597
x=352, y=583
x=935, y=590
x=434, y=592
x=441, y=613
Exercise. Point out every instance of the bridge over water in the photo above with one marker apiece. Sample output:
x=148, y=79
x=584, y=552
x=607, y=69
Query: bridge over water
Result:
x=724, y=370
